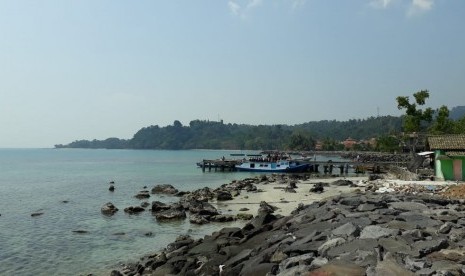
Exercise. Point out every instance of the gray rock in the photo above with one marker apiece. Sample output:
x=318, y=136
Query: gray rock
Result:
x=142, y=195
x=340, y=268
x=133, y=209
x=170, y=214
x=408, y=206
x=295, y=270
x=445, y=228
x=351, y=201
x=260, y=269
x=390, y=267
x=223, y=196
x=346, y=230
x=376, y=232
x=305, y=259
x=352, y=247
x=164, y=189
x=109, y=209
x=244, y=255
x=342, y=182
x=222, y=218
x=366, y=207
x=397, y=245
x=414, y=264
x=318, y=262
x=198, y=219
x=206, y=248
x=158, y=206
x=330, y=244
x=278, y=257
x=202, y=208
x=424, y=248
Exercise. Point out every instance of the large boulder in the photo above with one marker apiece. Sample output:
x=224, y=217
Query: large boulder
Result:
x=108, y=209
x=198, y=219
x=175, y=212
x=133, y=209
x=223, y=196
x=164, y=189
x=142, y=195
x=158, y=206
x=201, y=208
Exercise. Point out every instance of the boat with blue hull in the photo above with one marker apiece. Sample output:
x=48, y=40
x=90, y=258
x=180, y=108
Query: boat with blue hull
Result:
x=282, y=166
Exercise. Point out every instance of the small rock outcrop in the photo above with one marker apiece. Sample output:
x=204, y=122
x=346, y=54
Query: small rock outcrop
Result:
x=164, y=189
x=109, y=209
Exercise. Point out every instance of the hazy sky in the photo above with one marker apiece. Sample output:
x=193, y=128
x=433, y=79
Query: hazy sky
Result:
x=93, y=69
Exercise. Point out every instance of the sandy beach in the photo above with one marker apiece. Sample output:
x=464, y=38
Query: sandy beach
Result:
x=274, y=193
x=369, y=226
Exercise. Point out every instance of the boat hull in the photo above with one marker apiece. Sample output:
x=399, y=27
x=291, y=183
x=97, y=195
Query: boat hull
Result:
x=290, y=169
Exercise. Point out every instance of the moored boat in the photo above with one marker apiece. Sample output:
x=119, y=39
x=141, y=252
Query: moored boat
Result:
x=279, y=166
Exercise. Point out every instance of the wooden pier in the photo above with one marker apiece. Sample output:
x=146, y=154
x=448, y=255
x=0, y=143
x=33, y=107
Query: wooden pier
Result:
x=325, y=167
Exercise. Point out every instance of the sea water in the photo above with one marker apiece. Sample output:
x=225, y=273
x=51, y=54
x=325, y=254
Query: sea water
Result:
x=69, y=186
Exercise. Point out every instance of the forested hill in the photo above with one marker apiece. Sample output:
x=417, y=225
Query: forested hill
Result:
x=216, y=135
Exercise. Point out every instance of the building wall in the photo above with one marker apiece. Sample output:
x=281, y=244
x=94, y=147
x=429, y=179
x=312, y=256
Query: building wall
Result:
x=445, y=168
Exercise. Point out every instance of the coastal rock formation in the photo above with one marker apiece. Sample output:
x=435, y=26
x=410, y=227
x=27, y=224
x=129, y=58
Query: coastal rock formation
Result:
x=175, y=211
x=164, y=189
x=362, y=233
x=142, y=195
x=108, y=209
x=133, y=210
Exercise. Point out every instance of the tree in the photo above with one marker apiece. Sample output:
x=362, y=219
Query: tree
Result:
x=442, y=123
x=300, y=141
x=413, y=116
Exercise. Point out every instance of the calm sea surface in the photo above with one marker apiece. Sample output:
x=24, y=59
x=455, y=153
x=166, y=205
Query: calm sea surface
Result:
x=42, y=180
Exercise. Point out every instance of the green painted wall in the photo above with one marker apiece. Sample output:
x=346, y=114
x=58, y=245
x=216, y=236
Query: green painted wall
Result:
x=445, y=168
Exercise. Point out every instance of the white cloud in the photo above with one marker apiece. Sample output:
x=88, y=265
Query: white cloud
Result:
x=242, y=7
x=413, y=6
x=420, y=6
x=381, y=4
x=253, y=3
x=298, y=3
x=234, y=7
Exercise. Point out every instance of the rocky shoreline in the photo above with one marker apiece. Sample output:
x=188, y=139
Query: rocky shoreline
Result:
x=400, y=231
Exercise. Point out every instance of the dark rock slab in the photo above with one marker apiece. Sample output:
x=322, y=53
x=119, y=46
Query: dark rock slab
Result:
x=242, y=256
x=339, y=268
x=158, y=206
x=424, y=248
x=342, y=182
x=352, y=247
x=408, y=206
x=346, y=230
x=198, y=219
x=258, y=270
x=133, y=209
x=376, y=232
x=164, y=189
x=170, y=214
x=223, y=196
x=142, y=195
x=389, y=266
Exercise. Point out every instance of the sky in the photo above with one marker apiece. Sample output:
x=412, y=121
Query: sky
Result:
x=87, y=69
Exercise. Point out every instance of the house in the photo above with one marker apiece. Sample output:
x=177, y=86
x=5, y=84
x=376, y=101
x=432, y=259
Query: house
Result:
x=449, y=156
x=349, y=143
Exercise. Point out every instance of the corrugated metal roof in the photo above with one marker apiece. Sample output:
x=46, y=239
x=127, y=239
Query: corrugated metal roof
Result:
x=455, y=153
x=447, y=142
